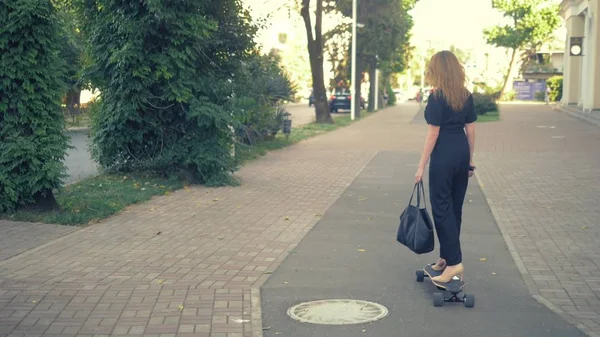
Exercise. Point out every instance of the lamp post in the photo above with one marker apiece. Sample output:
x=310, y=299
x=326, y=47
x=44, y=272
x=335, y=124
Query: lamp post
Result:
x=376, y=84
x=353, y=75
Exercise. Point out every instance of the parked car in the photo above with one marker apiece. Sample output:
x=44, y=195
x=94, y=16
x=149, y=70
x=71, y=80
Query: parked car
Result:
x=342, y=101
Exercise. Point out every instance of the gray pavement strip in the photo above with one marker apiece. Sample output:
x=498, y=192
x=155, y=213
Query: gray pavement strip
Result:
x=351, y=254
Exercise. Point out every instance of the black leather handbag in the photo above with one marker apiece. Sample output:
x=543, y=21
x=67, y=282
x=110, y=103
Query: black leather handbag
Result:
x=416, y=227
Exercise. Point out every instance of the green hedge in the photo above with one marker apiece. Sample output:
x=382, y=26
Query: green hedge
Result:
x=484, y=103
x=555, y=84
x=32, y=142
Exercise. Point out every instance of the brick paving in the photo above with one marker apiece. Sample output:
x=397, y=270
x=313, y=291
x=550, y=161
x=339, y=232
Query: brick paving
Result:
x=540, y=170
x=186, y=264
x=19, y=237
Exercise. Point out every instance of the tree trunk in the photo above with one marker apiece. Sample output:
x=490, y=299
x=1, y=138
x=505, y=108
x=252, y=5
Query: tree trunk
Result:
x=372, y=80
x=315, y=52
x=508, y=73
x=73, y=102
x=43, y=201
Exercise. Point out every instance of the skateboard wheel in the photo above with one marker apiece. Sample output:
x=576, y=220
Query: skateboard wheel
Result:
x=438, y=299
x=420, y=275
x=469, y=300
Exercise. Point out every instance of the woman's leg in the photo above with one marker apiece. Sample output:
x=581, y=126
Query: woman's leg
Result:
x=440, y=195
x=459, y=191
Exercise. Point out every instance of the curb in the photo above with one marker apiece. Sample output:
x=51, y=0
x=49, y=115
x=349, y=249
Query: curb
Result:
x=578, y=115
x=527, y=278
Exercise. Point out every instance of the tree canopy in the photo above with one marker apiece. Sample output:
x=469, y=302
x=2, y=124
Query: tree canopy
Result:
x=531, y=24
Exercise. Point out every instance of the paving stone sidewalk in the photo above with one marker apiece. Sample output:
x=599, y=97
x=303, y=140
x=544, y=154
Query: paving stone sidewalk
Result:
x=185, y=264
x=540, y=171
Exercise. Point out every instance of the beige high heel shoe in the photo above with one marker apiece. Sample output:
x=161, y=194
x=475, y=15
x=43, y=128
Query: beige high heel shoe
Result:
x=449, y=275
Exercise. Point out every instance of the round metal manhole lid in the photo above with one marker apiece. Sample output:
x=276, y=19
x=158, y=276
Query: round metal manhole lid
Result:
x=337, y=312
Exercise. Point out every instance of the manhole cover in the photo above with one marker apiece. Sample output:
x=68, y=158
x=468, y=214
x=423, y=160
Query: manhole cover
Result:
x=337, y=312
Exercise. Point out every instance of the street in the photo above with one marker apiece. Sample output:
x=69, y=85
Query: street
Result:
x=79, y=161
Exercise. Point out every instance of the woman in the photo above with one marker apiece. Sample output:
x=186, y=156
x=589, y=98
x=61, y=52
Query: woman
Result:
x=450, y=117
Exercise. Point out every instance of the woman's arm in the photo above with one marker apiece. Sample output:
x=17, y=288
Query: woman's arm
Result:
x=432, y=135
x=470, y=130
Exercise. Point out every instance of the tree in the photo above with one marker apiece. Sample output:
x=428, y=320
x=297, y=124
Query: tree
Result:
x=337, y=42
x=315, y=51
x=384, y=39
x=32, y=143
x=532, y=24
x=71, y=51
x=166, y=71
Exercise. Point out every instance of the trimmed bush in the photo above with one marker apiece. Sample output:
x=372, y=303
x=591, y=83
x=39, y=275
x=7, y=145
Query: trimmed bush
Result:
x=540, y=96
x=32, y=142
x=166, y=72
x=555, y=84
x=484, y=103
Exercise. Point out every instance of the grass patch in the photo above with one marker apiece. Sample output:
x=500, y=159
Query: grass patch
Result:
x=99, y=197
x=246, y=153
x=492, y=116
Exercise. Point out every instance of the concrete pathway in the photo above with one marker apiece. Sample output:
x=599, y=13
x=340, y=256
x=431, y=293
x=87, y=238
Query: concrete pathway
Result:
x=352, y=253
x=190, y=264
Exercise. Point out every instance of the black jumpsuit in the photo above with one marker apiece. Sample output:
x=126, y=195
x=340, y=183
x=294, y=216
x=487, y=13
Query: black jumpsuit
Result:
x=449, y=172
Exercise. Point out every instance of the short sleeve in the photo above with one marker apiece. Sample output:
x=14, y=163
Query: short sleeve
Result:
x=434, y=113
x=471, y=115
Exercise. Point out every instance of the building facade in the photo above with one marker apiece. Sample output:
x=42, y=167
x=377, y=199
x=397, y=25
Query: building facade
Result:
x=581, y=71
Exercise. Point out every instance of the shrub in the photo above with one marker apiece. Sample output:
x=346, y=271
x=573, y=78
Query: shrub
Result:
x=484, y=103
x=555, y=84
x=391, y=94
x=261, y=88
x=166, y=71
x=32, y=142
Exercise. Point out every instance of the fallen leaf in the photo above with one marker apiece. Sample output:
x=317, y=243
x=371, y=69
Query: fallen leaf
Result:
x=278, y=333
x=364, y=330
x=268, y=272
x=361, y=250
x=33, y=301
x=216, y=199
x=180, y=307
x=220, y=238
x=266, y=328
x=158, y=233
x=362, y=198
x=151, y=209
x=285, y=282
x=493, y=273
x=470, y=201
x=286, y=218
x=318, y=215
x=161, y=281
x=483, y=259
x=583, y=227
x=370, y=218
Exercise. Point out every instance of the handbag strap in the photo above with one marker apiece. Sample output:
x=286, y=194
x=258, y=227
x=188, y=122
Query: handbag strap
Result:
x=422, y=187
x=413, y=194
x=419, y=187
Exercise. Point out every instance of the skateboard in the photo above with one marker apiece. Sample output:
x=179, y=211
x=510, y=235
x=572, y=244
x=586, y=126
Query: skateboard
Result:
x=454, y=287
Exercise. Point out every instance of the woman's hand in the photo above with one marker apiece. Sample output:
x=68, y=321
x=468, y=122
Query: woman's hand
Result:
x=419, y=174
x=471, y=169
